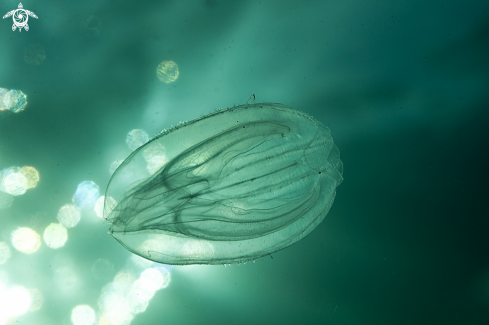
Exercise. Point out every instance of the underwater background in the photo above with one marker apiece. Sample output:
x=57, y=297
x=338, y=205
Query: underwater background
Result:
x=403, y=86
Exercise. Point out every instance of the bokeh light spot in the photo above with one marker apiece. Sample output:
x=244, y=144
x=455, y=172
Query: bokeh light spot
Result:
x=83, y=315
x=136, y=138
x=115, y=308
x=14, y=301
x=13, y=182
x=55, y=235
x=25, y=240
x=14, y=100
x=31, y=174
x=137, y=302
x=123, y=281
x=110, y=204
x=151, y=279
x=3, y=92
x=86, y=195
x=155, y=156
x=167, y=71
x=69, y=215
x=139, y=297
x=165, y=272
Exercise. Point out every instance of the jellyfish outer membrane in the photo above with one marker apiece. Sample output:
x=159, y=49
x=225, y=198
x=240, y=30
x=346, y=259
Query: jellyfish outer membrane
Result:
x=238, y=184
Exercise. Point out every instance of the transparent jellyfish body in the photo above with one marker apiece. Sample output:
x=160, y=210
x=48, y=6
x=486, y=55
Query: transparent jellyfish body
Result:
x=238, y=184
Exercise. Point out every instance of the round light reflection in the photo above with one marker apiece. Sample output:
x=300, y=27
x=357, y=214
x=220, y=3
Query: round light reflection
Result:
x=31, y=174
x=115, y=309
x=83, y=315
x=155, y=157
x=25, y=240
x=110, y=204
x=136, y=138
x=69, y=215
x=15, y=301
x=86, y=195
x=122, y=282
x=167, y=71
x=151, y=279
x=15, y=100
x=55, y=235
x=13, y=182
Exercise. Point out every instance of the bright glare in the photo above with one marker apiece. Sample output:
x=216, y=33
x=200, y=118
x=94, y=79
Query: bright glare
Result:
x=166, y=275
x=139, y=297
x=25, y=240
x=86, y=195
x=136, y=138
x=138, y=300
x=31, y=174
x=144, y=288
x=83, y=315
x=55, y=235
x=3, y=281
x=99, y=205
x=69, y=215
x=151, y=279
x=14, y=301
x=115, y=309
x=4, y=252
x=122, y=281
x=167, y=71
x=125, y=297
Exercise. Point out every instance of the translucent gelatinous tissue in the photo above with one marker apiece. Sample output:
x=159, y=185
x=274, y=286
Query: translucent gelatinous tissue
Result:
x=233, y=186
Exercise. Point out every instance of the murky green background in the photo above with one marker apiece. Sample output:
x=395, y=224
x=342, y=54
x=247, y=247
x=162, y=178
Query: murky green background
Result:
x=403, y=85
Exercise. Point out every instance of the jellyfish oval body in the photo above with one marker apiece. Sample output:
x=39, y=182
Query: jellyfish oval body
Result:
x=236, y=185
